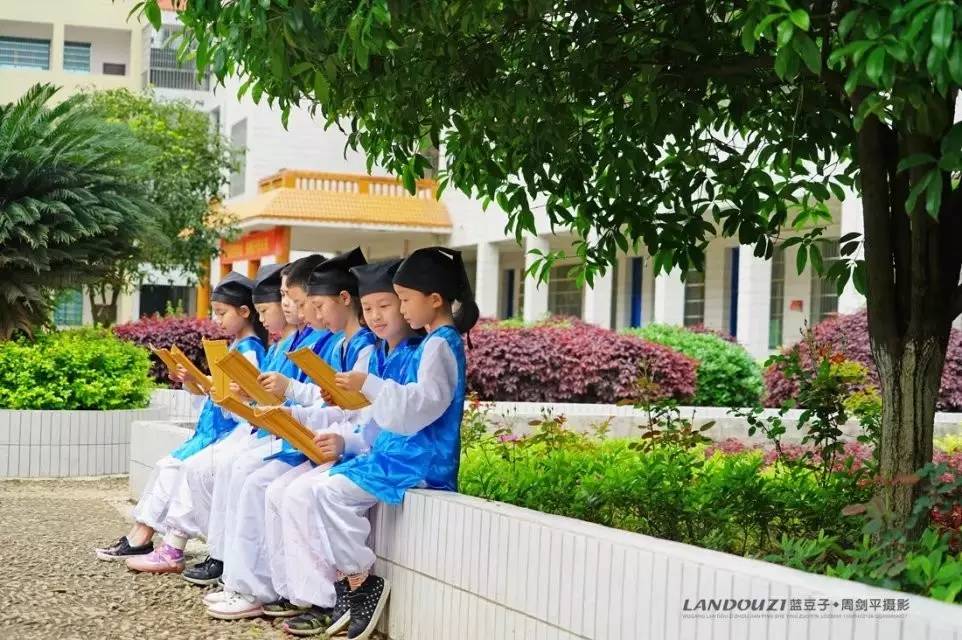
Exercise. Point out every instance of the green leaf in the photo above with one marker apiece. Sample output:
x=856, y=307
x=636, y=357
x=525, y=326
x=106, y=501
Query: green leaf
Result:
x=785, y=31
x=916, y=191
x=858, y=278
x=933, y=194
x=764, y=24
x=942, y=27
x=808, y=52
x=875, y=64
x=955, y=62
x=322, y=90
x=799, y=18
x=201, y=55
x=407, y=177
x=847, y=22
x=801, y=258
x=783, y=62
x=152, y=10
x=914, y=160
x=301, y=67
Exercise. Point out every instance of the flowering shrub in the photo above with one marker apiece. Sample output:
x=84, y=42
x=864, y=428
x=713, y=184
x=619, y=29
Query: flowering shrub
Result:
x=165, y=331
x=727, y=375
x=87, y=369
x=572, y=362
x=848, y=336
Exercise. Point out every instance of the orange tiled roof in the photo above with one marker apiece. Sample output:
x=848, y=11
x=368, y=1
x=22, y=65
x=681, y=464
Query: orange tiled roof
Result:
x=342, y=198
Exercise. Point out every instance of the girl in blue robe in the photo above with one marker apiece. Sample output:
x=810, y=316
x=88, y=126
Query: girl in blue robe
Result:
x=414, y=430
x=234, y=311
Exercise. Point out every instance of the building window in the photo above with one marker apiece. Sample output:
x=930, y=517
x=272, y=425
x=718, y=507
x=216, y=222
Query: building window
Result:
x=824, y=291
x=238, y=140
x=164, y=299
x=114, y=69
x=76, y=57
x=565, y=296
x=24, y=53
x=68, y=308
x=776, y=310
x=694, y=298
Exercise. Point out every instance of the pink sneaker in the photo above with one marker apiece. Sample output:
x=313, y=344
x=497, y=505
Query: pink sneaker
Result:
x=164, y=559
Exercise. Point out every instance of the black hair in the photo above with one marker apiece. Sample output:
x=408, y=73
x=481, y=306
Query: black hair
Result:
x=441, y=270
x=300, y=271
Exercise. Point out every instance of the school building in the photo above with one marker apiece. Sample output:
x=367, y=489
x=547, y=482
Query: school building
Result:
x=297, y=191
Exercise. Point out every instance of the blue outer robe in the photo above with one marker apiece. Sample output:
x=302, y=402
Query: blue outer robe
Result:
x=427, y=458
x=213, y=423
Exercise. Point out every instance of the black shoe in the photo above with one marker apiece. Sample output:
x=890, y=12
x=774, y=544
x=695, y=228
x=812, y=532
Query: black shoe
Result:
x=205, y=573
x=283, y=608
x=312, y=623
x=121, y=550
x=342, y=608
x=367, y=604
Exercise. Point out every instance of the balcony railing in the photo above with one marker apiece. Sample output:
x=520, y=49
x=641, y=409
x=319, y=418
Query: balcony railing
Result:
x=344, y=183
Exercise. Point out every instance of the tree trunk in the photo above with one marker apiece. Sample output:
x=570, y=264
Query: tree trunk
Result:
x=104, y=312
x=909, y=381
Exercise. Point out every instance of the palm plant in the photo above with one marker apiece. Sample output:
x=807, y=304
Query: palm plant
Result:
x=72, y=205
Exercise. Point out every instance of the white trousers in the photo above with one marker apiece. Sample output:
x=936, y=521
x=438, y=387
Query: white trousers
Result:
x=274, y=529
x=151, y=509
x=325, y=530
x=247, y=555
x=190, y=507
x=221, y=494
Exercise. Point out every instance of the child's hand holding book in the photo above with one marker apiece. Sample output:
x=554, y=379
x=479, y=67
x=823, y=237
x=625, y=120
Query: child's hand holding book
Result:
x=330, y=444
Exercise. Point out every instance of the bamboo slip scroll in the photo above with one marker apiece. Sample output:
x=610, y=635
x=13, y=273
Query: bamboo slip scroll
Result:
x=216, y=350
x=171, y=364
x=283, y=425
x=244, y=373
x=199, y=377
x=323, y=375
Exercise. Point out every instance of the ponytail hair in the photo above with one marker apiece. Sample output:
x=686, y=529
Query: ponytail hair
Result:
x=467, y=313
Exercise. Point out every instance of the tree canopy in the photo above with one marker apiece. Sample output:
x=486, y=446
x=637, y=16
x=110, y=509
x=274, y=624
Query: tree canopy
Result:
x=659, y=124
x=185, y=170
x=71, y=208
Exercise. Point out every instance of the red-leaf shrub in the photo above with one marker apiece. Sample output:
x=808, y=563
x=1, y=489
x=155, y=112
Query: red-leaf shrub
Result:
x=575, y=362
x=183, y=331
x=848, y=335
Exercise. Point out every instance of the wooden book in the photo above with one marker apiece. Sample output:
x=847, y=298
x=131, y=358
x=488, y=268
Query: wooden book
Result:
x=283, y=425
x=199, y=377
x=244, y=373
x=323, y=375
x=238, y=408
x=171, y=364
x=217, y=350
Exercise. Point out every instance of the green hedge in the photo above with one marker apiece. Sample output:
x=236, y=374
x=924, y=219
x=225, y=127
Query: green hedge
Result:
x=78, y=369
x=727, y=374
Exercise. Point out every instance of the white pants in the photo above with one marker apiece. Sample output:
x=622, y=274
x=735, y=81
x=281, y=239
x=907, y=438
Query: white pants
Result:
x=151, y=509
x=274, y=528
x=325, y=530
x=221, y=494
x=190, y=507
x=247, y=556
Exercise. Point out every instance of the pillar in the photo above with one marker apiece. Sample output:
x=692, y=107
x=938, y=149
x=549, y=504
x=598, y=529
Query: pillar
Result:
x=56, y=48
x=252, y=267
x=597, y=301
x=669, y=307
x=283, y=255
x=487, y=278
x=754, y=301
x=203, y=293
x=535, y=292
x=851, y=300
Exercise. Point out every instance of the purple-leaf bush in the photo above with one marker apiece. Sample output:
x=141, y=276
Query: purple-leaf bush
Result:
x=571, y=362
x=166, y=331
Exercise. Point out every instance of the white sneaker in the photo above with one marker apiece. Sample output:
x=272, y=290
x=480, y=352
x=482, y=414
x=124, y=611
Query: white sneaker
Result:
x=236, y=607
x=215, y=597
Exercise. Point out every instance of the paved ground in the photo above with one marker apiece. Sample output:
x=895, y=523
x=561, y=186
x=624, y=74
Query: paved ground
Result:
x=52, y=587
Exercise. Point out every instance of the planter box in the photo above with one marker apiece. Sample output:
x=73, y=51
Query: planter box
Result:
x=476, y=570
x=472, y=569
x=623, y=420
x=66, y=443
